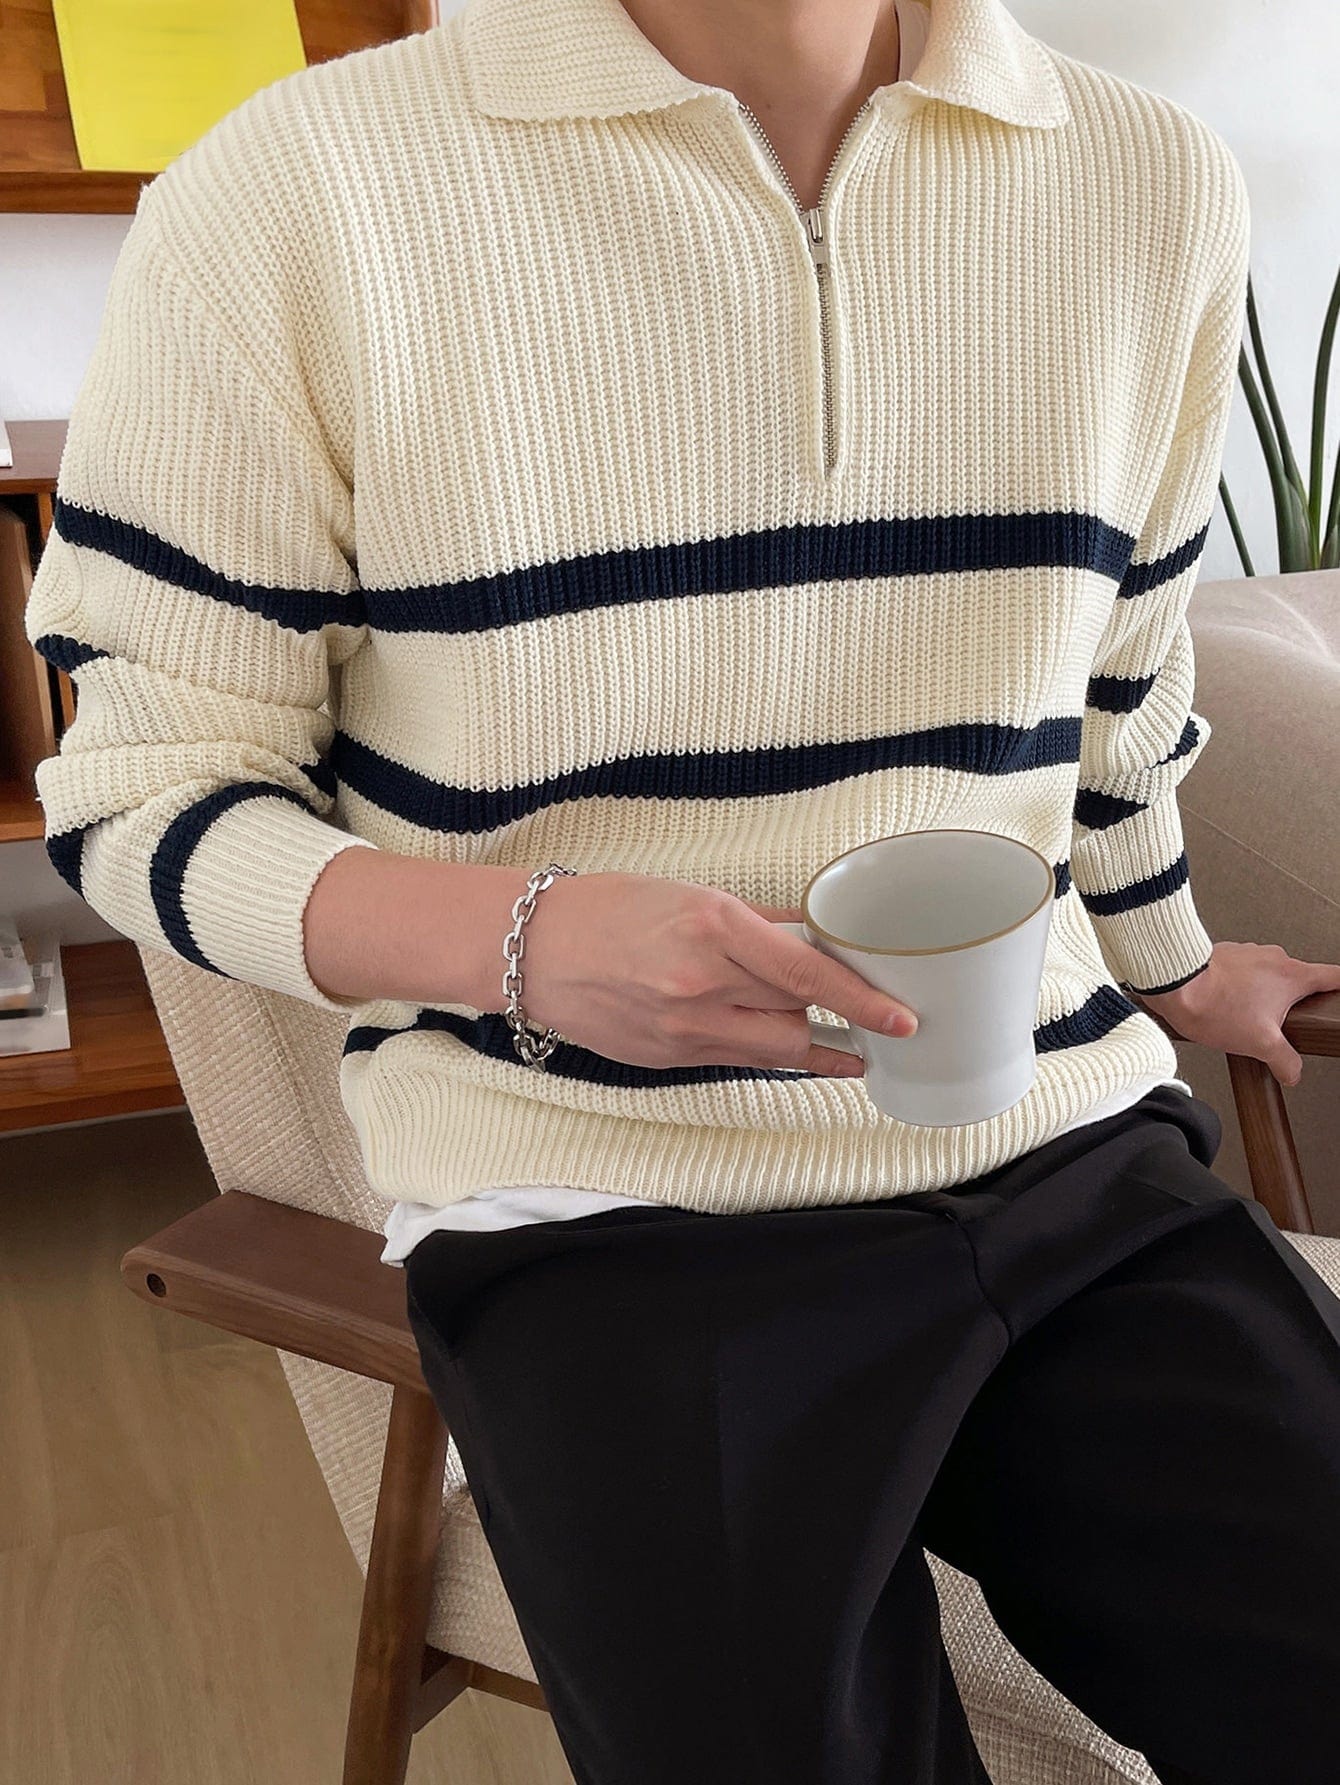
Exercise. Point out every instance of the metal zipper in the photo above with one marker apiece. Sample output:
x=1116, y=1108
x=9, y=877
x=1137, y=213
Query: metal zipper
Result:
x=817, y=243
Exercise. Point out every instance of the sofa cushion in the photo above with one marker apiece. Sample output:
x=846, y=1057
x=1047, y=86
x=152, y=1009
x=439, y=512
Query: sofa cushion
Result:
x=1258, y=813
x=1267, y=654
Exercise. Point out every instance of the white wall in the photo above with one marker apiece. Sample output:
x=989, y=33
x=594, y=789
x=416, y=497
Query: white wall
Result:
x=1262, y=72
x=1258, y=70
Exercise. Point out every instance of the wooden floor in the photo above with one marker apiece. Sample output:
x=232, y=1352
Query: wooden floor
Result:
x=178, y=1602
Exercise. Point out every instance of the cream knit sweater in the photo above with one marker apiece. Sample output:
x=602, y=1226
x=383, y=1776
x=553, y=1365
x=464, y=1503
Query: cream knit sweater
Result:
x=474, y=464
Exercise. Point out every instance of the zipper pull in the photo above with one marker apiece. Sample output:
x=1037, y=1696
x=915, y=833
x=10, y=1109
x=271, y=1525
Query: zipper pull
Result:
x=814, y=231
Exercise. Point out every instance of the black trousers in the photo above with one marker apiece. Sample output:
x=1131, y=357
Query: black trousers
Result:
x=709, y=1451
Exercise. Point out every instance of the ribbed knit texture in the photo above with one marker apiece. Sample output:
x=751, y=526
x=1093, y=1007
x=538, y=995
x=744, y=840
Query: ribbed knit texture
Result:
x=449, y=477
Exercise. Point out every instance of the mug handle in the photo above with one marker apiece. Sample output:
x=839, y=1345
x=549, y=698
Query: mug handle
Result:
x=825, y=1034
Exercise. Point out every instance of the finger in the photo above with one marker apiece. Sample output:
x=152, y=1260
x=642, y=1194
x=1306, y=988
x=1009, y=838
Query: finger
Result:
x=759, y=993
x=751, y=993
x=832, y=1062
x=783, y=962
x=746, y=989
x=748, y=993
x=780, y=1039
x=1284, y=1061
x=1320, y=976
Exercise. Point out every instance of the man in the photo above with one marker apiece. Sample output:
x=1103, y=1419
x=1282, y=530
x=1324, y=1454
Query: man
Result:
x=679, y=450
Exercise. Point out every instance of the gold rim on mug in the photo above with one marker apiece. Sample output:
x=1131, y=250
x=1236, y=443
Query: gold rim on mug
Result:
x=961, y=830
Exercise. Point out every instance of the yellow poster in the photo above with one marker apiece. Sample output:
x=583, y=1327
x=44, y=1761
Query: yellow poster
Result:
x=146, y=78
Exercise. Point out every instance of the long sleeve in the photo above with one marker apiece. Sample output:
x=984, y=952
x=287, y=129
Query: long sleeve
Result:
x=197, y=586
x=1140, y=735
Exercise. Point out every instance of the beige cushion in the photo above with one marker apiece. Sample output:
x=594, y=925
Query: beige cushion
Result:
x=1259, y=811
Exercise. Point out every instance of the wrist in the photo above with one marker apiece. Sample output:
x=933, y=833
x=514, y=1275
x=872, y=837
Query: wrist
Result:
x=487, y=920
x=1184, y=997
x=532, y=1042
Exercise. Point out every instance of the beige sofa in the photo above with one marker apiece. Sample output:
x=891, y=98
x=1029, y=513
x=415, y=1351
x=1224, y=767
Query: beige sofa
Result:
x=1261, y=815
x=260, y=1072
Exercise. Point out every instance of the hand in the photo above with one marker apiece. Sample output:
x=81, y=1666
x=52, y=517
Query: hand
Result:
x=670, y=973
x=1239, y=1003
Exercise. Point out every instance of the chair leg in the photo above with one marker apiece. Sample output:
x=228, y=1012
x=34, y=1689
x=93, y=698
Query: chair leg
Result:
x=393, y=1632
x=1267, y=1141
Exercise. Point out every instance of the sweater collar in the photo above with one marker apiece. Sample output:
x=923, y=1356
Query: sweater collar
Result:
x=586, y=58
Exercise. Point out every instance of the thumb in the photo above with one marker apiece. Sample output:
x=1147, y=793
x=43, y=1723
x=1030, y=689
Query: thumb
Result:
x=1284, y=1061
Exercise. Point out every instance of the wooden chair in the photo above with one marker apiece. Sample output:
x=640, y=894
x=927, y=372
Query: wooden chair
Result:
x=314, y=1286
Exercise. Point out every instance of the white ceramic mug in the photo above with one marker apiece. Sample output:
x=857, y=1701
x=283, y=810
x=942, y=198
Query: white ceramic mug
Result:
x=952, y=923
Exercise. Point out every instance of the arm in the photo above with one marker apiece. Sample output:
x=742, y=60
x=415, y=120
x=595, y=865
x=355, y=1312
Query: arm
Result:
x=1140, y=736
x=380, y=925
x=198, y=586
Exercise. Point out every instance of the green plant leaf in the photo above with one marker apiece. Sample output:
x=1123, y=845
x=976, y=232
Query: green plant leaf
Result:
x=1320, y=392
x=1298, y=550
x=1293, y=548
x=1236, y=528
x=1290, y=465
x=1264, y=430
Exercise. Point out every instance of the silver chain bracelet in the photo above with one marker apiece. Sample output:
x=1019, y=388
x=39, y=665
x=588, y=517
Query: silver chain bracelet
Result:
x=532, y=1051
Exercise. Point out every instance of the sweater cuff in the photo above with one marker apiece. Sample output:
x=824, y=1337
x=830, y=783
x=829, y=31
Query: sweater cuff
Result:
x=1134, y=881
x=1155, y=948
x=245, y=887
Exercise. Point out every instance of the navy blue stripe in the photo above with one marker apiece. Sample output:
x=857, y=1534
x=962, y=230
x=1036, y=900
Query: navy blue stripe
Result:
x=1096, y=811
x=321, y=774
x=1099, y=1014
x=172, y=855
x=303, y=610
x=1139, y=579
x=490, y=1036
x=1189, y=739
x=777, y=557
x=66, y=653
x=708, y=774
x=1118, y=694
x=1140, y=892
x=65, y=851
x=1153, y=991
x=167, y=867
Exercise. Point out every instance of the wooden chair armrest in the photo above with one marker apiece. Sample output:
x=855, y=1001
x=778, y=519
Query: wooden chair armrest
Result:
x=1313, y=1025
x=302, y=1282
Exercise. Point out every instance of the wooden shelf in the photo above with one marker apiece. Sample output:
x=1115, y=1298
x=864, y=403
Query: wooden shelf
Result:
x=117, y=1061
x=75, y=190
x=21, y=817
x=33, y=695
x=37, y=447
x=39, y=161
